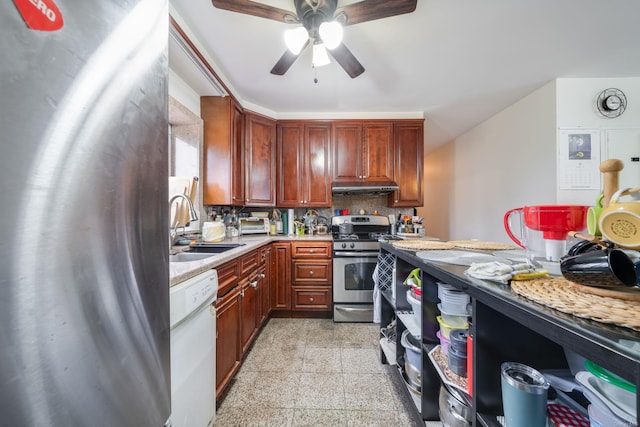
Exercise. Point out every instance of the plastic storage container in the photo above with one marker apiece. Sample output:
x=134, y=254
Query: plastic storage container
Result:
x=454, y=302
x=452, y=319
x=416, y=306
x=458, y=338
x=458, y=361
x=412, y=349
x=445, y=328
x=444, y=343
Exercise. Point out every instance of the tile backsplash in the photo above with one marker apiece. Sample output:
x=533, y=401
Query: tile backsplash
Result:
x=354, y=203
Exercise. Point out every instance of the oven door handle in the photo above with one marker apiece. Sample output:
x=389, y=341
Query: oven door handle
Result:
x=355, y=254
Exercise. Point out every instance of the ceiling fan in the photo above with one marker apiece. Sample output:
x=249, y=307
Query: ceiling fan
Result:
x=318, y=19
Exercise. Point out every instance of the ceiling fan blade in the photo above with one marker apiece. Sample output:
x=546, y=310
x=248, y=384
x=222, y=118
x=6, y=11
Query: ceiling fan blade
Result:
x=286, y=61
x=370, y=10
x=345, y=58
x=253, y=8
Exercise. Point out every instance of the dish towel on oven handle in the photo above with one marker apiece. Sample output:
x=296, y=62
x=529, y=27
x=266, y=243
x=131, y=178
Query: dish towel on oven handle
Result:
x=376, y=296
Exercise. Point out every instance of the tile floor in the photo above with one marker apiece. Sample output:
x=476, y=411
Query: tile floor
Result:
x=313, y=372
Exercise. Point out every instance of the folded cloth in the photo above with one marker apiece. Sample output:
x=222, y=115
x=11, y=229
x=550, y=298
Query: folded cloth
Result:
x=377, y=308
x=497, y=271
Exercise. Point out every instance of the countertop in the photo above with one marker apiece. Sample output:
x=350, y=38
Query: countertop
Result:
x=181, y=271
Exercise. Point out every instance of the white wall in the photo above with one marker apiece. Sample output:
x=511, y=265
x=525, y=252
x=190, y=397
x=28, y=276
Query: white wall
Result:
x=576, y=108
x=510, y=160
x=183, y=93
x=503, y=163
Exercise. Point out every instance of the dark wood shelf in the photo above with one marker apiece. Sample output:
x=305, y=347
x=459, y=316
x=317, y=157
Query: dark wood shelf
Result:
x=508, y=327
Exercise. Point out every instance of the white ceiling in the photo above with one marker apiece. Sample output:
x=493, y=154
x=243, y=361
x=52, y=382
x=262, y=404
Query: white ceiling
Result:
x=458, y=62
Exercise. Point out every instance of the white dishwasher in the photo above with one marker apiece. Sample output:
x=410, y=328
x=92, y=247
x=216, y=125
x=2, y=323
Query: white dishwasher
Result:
x=193, y=351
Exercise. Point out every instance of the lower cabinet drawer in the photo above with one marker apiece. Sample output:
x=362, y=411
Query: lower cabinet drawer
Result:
x=317, y=272
x=312, y=298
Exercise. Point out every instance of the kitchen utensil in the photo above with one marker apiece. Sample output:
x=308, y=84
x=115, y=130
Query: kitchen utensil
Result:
x=620, y=221
x=619, y=401
x=524, y=395
x=213, y=231
x=444, y=342
x=609, y=377
x=458, y=338
x=610, y=169
x=453, y=410
x=413, y=349
x=457, y=361
x=593, y=217
x=446, y=329
x=602, y=269
x=345, y=228
x=584, y=246
x=543, y=231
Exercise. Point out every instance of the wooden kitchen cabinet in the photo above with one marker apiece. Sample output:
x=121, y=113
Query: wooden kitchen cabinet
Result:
x=223, y=151
x=264, y=283
x=238, y=312
x=312, y=276
x=249, y=310
x=260, y=160
x=303, y=154
x=281, y=276
x=228, y=347
x=362, y=151
x=408, y=149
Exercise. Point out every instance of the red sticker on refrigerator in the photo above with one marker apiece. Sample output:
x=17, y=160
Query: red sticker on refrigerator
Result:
x=42, y=15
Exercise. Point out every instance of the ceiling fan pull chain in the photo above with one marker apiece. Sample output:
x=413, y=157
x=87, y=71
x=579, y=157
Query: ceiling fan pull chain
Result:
x=315, y=75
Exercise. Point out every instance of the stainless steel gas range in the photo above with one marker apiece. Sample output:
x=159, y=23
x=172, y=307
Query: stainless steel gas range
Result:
x=355, y=254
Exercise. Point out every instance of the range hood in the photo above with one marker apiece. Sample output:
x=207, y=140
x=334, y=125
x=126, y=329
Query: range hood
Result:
x=362, y=187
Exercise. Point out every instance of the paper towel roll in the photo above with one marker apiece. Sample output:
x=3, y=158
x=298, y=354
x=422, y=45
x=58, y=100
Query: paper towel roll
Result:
x=290, y=228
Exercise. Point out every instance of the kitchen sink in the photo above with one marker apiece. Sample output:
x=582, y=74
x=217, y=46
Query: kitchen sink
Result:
x=214, y=248
x=189, y=256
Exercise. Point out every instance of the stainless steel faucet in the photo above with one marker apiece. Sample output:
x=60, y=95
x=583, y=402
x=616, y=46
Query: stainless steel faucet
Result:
x=193, y=216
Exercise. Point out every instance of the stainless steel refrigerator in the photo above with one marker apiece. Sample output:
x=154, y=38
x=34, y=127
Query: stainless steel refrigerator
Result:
x=84, y=295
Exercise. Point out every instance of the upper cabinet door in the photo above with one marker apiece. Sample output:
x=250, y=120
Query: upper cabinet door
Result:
x=377, y=150
x=304, y=175
x=237, y=131
x=260, y=160
x=347, y=151
x=290, y=188
x=222, y=184
x=317, y=171
x=408, y=151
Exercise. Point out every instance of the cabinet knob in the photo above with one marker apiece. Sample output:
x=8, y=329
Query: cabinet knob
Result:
x=311, y=299
x=254, y=284
x=311, y=273
x=311, y=251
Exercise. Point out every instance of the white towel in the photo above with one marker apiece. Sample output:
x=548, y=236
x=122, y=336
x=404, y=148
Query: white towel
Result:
x=180, y=209
x=377, y=311
x=497, y=271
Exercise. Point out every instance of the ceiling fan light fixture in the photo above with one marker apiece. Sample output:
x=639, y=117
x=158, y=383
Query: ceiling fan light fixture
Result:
x=320, y=55
x=295, y=39
x=331, y=34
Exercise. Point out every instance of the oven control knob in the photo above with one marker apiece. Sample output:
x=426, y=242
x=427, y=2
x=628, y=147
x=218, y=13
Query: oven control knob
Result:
x=344, y=246
x=352, y=245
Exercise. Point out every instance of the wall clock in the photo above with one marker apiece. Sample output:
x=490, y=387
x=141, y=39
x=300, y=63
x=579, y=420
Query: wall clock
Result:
x=611, y=103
